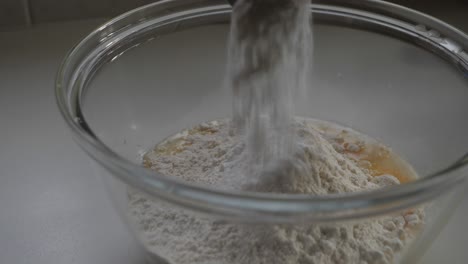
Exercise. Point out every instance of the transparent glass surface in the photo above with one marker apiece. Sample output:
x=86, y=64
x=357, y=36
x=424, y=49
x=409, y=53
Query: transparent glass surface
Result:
x=396, y=75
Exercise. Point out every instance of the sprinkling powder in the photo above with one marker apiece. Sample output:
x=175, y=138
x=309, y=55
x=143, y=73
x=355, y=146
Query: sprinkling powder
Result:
x=264, y=148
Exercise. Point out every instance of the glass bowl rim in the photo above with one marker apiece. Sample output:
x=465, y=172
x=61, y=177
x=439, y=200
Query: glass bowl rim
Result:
x=241, y=205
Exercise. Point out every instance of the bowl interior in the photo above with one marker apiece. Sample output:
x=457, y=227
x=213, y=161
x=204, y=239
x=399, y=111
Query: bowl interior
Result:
x=388, y=88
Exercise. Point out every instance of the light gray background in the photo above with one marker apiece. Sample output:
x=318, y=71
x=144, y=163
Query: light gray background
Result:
x=24, y=13
x=53, y=208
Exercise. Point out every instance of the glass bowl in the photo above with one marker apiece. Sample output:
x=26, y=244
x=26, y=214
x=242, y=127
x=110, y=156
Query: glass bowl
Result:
x=395, y=74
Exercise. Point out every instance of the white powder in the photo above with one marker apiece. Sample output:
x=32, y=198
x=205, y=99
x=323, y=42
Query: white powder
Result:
x=268, y=66
x=212, y=155
x=265, y=150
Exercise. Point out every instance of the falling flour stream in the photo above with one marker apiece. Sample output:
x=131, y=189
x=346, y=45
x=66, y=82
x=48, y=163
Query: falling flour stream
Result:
x=269, y=54
x=265, y=148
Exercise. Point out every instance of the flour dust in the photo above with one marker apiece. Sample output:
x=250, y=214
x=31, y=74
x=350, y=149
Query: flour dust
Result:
x=338, y=161
x=268, y=66
x=265, y=148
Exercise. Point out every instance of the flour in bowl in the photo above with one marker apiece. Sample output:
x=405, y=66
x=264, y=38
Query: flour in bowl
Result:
x=338, y=160
x=264, y=148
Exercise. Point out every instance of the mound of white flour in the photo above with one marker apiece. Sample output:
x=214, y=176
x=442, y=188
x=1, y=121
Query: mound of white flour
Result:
x=210, y=155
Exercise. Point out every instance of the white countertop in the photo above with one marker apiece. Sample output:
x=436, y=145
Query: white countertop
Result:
x=53, y=207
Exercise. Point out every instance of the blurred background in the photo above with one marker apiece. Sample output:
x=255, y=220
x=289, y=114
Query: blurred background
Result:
x=23, y=13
